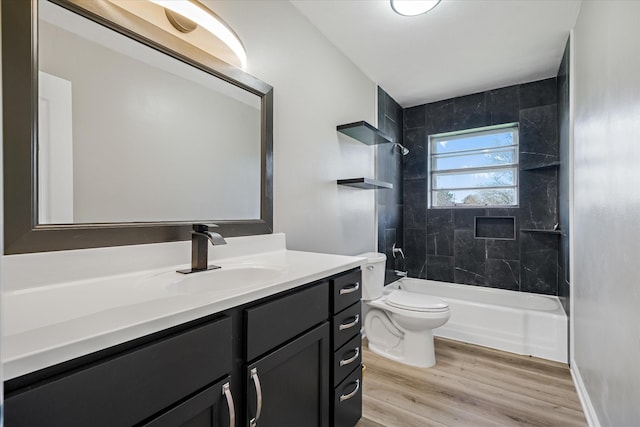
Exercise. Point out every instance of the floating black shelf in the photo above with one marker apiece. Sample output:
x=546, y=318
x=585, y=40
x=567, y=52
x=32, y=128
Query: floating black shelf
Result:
x=364, y=132
x=542, y=166
x=534, y=230
x=365, y=183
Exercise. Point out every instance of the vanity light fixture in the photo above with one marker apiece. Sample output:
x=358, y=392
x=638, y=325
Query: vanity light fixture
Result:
x=179, y=22
x=192, y=11
x=413, y=7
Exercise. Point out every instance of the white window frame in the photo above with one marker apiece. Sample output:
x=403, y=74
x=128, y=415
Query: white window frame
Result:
x=473, y=132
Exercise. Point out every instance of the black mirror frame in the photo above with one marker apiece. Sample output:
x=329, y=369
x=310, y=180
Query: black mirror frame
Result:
x=22, y=233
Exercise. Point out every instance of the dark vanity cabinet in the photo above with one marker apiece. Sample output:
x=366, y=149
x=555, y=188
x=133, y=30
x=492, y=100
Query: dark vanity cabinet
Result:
x=125, y=388
x=292, y=359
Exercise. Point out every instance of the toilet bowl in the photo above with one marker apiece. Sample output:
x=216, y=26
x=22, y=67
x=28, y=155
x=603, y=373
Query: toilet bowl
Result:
x=399, y=324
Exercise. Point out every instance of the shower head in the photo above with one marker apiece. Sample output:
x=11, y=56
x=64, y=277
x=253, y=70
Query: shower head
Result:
x=404, y=150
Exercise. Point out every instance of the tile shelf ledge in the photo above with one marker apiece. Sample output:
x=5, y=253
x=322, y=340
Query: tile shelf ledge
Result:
x=550, y=165
x=364, y=132
x=536, y=230
x=365, y=183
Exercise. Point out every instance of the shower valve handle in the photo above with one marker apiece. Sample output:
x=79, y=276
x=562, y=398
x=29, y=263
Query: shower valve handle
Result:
x=396, y=251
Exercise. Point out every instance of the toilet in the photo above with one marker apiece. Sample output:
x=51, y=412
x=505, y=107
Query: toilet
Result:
x=399, y=324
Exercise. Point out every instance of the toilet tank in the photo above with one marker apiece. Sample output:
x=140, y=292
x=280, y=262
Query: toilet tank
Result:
x=373, y=275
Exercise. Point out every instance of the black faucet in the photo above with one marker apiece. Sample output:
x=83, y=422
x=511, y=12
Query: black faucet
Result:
x=200, y=238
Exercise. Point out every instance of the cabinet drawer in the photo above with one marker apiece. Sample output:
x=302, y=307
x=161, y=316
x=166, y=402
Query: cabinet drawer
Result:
x=347, y=358
x=130, y=387
x=276, y=322
x=346, y=290
x=346, y=325
x=347, y=400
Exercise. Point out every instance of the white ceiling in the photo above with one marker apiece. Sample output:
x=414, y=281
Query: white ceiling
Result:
x=459, y=48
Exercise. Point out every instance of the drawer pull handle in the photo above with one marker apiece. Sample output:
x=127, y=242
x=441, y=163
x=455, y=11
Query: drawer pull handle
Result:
x=351, y=359
x=353, y=393
x=226, y=391
x=256, y=384
x=350, y=289
x=344, y=326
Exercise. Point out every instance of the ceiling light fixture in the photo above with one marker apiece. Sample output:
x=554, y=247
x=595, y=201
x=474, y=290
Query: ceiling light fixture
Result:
x=208, y=20
x=413, y=7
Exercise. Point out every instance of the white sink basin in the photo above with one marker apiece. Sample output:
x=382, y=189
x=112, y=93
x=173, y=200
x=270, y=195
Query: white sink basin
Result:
x=37, y=308
x=233, y=277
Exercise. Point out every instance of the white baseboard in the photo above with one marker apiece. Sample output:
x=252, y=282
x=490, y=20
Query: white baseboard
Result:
x=587, y=407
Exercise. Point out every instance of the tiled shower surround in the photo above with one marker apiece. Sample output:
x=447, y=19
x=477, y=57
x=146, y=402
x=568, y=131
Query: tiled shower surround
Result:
x=389, y=169
x=440, y=244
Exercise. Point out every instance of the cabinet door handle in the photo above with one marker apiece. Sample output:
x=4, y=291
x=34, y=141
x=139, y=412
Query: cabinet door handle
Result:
x=353, y=393
x=256, y=384
x=351, y=359
x=226, y=391
x=350, y=289
x=344, y=326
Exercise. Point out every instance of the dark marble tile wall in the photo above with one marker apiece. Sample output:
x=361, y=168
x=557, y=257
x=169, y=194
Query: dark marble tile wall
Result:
x=440, y=244
x=539, y=271
x=389, y=169
x=563, y=178
x=454, y=254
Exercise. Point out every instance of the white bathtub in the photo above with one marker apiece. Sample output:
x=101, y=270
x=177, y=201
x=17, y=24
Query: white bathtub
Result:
x=518, y=322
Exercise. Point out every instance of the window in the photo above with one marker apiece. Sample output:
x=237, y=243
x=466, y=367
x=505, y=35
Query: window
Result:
x=477, y=167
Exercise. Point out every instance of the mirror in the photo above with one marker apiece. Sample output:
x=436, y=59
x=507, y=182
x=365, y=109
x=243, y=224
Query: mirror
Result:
x=128, y=141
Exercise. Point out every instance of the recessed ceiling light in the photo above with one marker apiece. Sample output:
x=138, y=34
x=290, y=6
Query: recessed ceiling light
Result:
x=413, y=7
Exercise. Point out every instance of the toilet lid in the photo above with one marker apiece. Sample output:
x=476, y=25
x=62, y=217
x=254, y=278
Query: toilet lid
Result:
x=415, y=301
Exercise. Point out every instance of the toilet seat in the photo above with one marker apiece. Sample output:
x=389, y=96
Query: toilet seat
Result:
x=414, y=301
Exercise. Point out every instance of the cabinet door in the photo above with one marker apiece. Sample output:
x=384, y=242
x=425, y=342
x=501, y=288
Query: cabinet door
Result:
x=290, y=386
x=212, y=407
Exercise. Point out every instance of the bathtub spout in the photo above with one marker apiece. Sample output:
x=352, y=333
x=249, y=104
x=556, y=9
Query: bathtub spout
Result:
x=400, y=273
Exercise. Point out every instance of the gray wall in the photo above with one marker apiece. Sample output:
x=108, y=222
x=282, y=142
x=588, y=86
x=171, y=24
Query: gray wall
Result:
x=606, y=228
x=440, y=243
x=316, y=88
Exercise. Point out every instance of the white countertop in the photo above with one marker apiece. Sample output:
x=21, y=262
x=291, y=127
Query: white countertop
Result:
x=46, y=325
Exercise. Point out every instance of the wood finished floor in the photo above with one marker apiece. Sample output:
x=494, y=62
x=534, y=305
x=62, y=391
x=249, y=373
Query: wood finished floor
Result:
x=469, y=386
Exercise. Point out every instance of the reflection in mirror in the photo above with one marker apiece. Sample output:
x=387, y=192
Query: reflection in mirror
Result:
x=129, y=134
